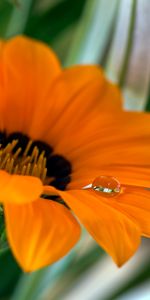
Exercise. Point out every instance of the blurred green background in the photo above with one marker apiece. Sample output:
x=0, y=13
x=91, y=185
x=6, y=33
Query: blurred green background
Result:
x=116, y=35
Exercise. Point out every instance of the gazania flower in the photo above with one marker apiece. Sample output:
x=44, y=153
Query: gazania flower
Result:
x=59, y=130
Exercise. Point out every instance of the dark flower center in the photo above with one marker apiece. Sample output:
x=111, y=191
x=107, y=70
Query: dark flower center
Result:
x=20, y=155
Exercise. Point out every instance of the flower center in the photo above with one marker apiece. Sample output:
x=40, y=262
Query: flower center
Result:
x=33, y=164
x=20, y=155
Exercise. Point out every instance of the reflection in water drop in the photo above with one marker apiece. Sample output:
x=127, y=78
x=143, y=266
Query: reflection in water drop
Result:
x=108, y=186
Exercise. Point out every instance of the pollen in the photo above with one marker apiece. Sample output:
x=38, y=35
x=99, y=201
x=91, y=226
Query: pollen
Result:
x=24, y=164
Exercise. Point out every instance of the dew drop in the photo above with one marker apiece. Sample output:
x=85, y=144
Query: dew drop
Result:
x=107, y=185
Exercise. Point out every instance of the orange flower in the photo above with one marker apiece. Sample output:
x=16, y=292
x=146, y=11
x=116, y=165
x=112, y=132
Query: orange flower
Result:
x=59, y=129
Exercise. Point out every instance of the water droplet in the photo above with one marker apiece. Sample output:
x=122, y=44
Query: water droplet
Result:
x=107, y=185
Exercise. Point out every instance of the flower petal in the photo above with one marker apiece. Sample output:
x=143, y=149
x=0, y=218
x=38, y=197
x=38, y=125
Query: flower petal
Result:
x=110, y=141
x=28, y=69
x=19, y=189
x=40, y=233
x=75, y=86
x=112, y=229
x=98, y=89
x=128, y=175
x=135, y=202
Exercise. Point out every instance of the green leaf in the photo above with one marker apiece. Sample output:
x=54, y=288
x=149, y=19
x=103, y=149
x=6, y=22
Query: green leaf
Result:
x=9, y=273
x=93, y=32
x=128, y=60
x=5, y=13
x=122, y=41
x=47, y=25
x=148, y=102
x=14, y=2
x=77, y=268
x=136, y=87
x=3, y=238
x=19, y=18
x=139, y=278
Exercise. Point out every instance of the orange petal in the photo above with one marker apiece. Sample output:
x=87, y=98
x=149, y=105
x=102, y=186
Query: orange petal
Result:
x=19, y=189
x=40, y=233
x=129, y=175
x=112, y=141
x=28, y=69
x=111, y=228
x=98, y=89
x=135, y=202
x=78, y=85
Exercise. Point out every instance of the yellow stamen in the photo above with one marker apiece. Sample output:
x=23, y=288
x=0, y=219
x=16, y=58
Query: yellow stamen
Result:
x=16, y=169
x=3, y=163
x=23, y=171
x=30, y=165
x=10, y=146
x=27, y=148
x=7, y=164
x=11, y=165
x=17, y=153
x=43, y=176
x=28, y=169
x=36, y=153
x=25, y=160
